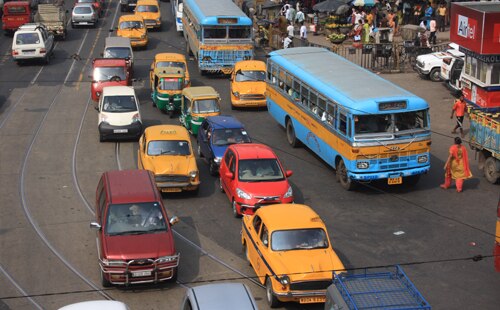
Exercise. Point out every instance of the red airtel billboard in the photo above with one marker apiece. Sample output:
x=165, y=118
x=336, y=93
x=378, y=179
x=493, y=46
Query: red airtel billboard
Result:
x=476, y=26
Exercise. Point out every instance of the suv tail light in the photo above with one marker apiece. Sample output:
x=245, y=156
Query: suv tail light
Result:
x=43, y=51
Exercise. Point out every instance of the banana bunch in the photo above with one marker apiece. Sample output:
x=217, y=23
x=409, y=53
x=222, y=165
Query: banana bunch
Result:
x=331, y=26
x=336, y=37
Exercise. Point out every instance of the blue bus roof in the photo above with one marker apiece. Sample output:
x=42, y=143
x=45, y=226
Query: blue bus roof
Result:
x=224, y=121
x=343, y=81
x=207, y=12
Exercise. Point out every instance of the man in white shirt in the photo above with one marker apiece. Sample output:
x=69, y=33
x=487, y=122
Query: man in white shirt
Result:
x=287, y=42
x=299, y=17
x=290, y=30
x=303, y=33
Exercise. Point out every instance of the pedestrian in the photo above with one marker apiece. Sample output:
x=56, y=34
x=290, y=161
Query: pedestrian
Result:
x=290, y=30
x=316, y=23
x=441, y=11
x=433, y=30
x=366, y=33
x=459, y=109
x=456, y=166
x=417, y=11
x=300, y=17
x=406, y=12
x=285, y=8
x=288, y=42
x=429, y=11
x=290, y=15
x=303, y=34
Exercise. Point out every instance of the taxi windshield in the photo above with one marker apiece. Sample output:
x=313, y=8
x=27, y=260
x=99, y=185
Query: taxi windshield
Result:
x=117, y=52
x=85, y=1
x=259, y=170
x=147, y=8
x=131, y=25
x=299, y=239
x=169, y=147
x=134, y=219
x=229, y=136
x=119, y=104
x=175, y=64
x=107, y=73
x=250, y=76
x=205, y=106
x=170, y=84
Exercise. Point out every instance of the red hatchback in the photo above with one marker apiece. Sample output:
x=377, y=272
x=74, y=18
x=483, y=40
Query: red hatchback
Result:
x=251, y=175
x=109, y=72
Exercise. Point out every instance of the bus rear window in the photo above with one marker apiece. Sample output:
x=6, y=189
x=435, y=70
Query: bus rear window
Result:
x=214, y=33
x=239, y=33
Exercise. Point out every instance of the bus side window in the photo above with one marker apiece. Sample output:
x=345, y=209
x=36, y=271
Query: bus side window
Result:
x=305, y=95
x=330, y=117
x=343, y=123
x=313, y=102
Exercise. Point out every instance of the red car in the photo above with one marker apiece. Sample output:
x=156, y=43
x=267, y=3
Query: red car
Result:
x=109, y=72
x=251, y=175
x=135, y=240
x=97, y=4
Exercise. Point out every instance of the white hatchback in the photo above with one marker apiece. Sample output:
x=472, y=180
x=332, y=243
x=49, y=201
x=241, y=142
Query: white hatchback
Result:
x=32, y=41
x=119, y=115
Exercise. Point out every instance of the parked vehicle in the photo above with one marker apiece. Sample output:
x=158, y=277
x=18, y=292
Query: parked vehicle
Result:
x=96, y=4
x=133, y=27
x=83, y=15
x=214, y=137
x=32, y=42
x=97, y=305
x=446, y=67
x=53, y=17
x=166, y=89
x=134, y=236
x=484, y=138
x=170, y=60
x=252, y=176
x=118, y=47
x=16, y=14
x=119, y=115
x=289, y=248
x=127, y=5
x=150, y=11
x=387, y=288
x=166, y=151
x=219, y=296
x=454, y=83
x=109, y=72
x=177, y=7
x=429, y=65
x=248, y=84
x=198, y=103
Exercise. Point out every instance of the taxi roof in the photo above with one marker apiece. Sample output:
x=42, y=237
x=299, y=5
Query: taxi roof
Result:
x=109, y=62
x=130, y=17
x=200, y=91
x=167, y=132
x=297, y=216
x=129, y=186
x=253, y=151
x=169, y=56
x=148, y=2
x=224, y=121
x=168, y=71
x=250, y=65
x=118, y=91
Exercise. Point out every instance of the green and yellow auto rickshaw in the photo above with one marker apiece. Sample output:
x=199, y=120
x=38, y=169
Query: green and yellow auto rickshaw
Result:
x=166, y=89
x=198, y=103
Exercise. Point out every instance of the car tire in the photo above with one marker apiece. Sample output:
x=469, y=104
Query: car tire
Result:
x=290, y=134
x=245, y=252
x=342, y=177
x=235, y=209
x=104, y=281
x=434, y=75
x=101, y=138
x=221, y=189
x=212, y=168
x=272, y=301
x=490, y=170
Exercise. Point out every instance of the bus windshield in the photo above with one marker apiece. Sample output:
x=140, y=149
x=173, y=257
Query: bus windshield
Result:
x=390, y=123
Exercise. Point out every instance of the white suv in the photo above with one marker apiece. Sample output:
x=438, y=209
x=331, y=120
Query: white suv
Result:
x=32, y=41
x=429, y=65
x=119, y=115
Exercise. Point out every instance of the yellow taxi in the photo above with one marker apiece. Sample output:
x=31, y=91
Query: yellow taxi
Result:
x=133, y=27
x=166, y=151
x=248, y=84
x=170, y=60
x=289, y=249
x=150, y=11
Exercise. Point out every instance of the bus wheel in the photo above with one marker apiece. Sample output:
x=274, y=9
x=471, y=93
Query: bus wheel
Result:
x=491, y=173
x=342, y=176
x=290, y=134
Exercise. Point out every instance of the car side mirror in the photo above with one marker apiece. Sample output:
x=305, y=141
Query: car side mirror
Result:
x=95, y=226
x=174, y=220
x=229, y=175
x=289, y=173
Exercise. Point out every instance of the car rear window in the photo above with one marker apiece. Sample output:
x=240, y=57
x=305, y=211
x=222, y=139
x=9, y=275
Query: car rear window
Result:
x=147, y=8
x=27, y=38
x=83, y=10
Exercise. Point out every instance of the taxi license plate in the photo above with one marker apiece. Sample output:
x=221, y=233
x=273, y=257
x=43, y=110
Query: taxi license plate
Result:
x=171, y=190
x=120, y=130
x=310, y=300
x=141, y=273
x=394, y=181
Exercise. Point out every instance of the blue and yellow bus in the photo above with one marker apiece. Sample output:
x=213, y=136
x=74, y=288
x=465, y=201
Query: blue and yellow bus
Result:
x=217, y=33
x=362, y=125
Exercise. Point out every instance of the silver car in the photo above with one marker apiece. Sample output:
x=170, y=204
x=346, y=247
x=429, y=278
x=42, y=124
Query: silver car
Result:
x=83, y=15
x=219, y=296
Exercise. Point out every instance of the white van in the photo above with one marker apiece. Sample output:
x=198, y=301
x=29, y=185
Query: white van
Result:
x=32, y=42
x=119, y=115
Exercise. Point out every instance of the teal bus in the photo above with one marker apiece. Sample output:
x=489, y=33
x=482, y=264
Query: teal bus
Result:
x=217, y=33
x=362, y=125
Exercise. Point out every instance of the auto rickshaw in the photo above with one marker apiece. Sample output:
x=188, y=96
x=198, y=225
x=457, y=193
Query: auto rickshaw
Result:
x=198, y=103
x=166, y=89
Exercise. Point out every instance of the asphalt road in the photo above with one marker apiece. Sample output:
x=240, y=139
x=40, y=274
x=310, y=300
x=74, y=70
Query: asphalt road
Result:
x=51, y=160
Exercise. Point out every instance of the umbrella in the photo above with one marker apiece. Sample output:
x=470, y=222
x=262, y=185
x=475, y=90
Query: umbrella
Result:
x=341, y=10
x=329, y=5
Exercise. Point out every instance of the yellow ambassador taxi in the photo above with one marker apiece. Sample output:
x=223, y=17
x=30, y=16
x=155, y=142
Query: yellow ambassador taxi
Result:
x=150, y=11
x=248, y=84
x=133, y=27
x=166, y=151
x=289, y=249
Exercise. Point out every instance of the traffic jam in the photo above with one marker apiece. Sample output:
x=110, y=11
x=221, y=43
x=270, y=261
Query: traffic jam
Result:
x=358, y=137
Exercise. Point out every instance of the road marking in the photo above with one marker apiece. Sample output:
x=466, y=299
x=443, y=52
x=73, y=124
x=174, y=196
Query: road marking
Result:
x=80, y=77
x=40, y=71
x=77, y=53
x=19, y=288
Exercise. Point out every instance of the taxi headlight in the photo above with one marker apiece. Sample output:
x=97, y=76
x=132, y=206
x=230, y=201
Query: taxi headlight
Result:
x=143, y=36
x=236, y=94
x=193, y=174
x=106, y=262
x=362, y=165
x=158, y=19
x=285, y=280
x=422, y=159
x=217, y=160
x=243, y=194
x=289, y=192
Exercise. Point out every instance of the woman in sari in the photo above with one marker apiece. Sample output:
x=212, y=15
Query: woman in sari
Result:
x=457, y=166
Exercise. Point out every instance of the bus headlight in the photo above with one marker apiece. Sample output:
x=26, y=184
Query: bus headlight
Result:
x=422, y=159
x=362, y=165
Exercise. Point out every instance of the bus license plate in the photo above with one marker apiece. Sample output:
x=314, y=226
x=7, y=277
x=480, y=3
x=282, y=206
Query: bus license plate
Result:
x=394, y=181
x=310, y=300
x=141, y=273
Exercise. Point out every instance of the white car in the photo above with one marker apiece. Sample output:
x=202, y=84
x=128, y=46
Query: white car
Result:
x=97, y=305
x=429, y=65
x=32, y=42
x=119, y=115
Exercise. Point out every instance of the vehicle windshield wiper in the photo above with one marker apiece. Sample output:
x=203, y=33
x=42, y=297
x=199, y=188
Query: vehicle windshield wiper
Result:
x=130, y=232
x=166, y=152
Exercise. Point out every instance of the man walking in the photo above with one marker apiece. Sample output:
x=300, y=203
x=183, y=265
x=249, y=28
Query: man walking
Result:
x=433, y=30
x=303, y=34
x=459, y=110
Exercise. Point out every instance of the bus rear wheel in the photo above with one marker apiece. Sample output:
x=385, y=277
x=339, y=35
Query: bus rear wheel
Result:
x=343, y=177
x=290, y=134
